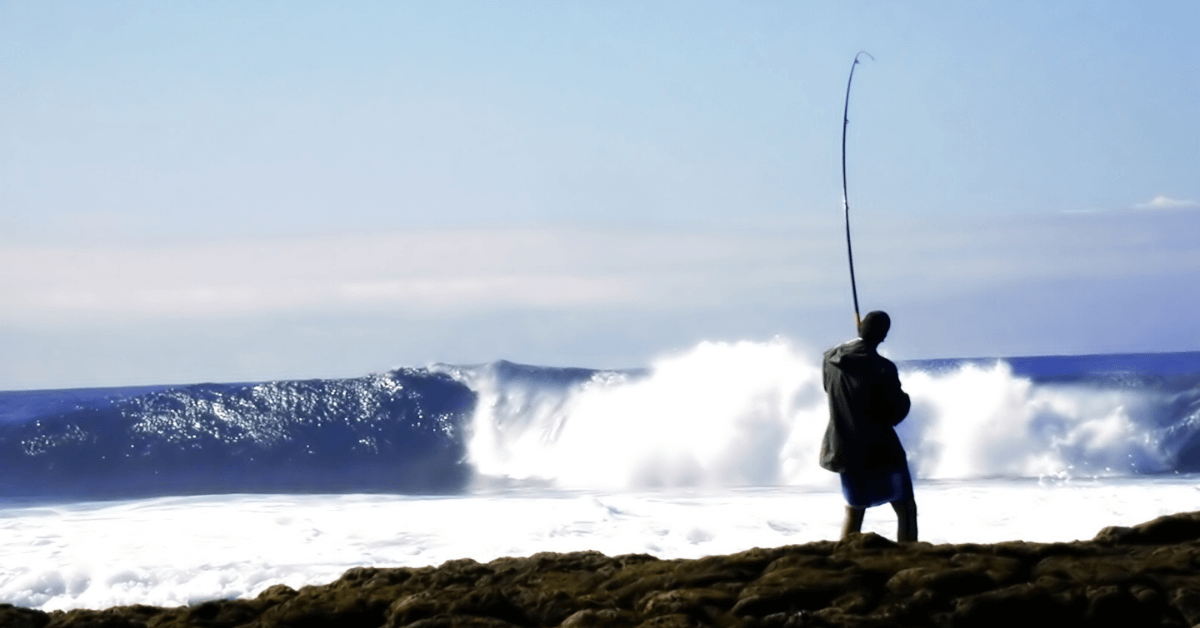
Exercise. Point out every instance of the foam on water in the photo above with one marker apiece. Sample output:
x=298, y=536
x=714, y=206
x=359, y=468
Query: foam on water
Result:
x=182, y=550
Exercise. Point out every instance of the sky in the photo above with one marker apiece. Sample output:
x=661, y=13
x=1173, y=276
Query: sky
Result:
x=227, y=191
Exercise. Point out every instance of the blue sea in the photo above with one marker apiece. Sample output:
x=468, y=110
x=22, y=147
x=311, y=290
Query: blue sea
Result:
x=172, y=494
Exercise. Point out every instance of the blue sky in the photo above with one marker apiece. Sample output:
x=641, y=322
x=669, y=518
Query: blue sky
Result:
x=222, y=191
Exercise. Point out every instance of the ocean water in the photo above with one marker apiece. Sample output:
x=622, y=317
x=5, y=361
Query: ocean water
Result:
x=175, y=494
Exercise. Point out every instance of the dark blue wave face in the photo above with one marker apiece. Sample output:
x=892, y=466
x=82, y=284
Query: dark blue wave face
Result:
x=1099, y=368
x=395, y=432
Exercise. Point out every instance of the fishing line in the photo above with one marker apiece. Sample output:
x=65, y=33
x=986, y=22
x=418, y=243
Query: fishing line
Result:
x=845, y=195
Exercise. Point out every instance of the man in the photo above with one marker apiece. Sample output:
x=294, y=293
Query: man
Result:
x=865, y=404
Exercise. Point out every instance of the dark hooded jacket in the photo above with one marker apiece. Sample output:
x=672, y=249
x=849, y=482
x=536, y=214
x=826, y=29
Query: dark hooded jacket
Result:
x=865, y=403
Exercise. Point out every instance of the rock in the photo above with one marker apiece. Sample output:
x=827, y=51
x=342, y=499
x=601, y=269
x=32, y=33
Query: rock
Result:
x=598, y=618
x=1187, y=602
x=13, y=617
x=1164, y=530
x=277, y=594
x=1147, y=574
x=1026, y=605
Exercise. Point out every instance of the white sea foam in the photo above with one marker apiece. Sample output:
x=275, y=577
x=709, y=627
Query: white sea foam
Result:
x=982, y=421
x=753, y=414
x=177, y=550
x=727, y=414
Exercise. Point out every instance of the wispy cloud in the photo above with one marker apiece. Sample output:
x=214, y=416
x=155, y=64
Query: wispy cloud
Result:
x=1165, y=202
x=444, y=271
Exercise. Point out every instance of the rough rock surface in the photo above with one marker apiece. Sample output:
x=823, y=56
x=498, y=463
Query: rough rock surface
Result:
x=1147, y=575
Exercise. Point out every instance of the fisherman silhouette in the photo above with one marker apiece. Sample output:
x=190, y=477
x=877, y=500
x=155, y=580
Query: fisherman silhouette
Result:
x=865, y=404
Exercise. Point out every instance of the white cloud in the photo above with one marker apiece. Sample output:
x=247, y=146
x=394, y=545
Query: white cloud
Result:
x=460, y=271
x=1166, y=202
x=441, y=271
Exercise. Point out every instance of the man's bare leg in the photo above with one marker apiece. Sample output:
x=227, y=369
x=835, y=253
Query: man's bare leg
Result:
x=906, y=519
x=854, y=520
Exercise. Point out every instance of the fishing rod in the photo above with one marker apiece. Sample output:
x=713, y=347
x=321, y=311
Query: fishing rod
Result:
x=845, y=195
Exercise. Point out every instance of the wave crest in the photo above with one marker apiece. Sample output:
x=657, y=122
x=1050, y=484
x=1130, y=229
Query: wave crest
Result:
x=747, y=413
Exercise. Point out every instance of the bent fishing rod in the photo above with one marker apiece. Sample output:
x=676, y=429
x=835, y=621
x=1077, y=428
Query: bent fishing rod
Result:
x=845, y=195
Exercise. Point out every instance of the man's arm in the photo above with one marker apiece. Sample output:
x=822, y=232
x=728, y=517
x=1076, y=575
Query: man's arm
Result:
x=897, y=399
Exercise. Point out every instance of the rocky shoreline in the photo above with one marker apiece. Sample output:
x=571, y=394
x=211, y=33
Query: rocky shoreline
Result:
x=1147, y=575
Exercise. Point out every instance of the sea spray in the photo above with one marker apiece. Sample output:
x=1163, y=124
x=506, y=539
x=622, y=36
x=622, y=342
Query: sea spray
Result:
x=747, y=413
x=983, y=421
x=728, y=414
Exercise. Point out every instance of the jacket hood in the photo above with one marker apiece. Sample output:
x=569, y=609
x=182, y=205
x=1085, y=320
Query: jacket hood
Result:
x=849, y=352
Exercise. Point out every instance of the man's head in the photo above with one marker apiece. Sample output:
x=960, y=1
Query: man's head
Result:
x=874, y=327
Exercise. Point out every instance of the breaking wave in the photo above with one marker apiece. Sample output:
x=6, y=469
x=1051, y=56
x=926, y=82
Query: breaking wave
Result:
x=720, y=414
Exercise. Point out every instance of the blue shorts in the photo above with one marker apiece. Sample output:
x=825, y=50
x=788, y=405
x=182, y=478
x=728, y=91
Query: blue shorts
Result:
x=864, y=489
